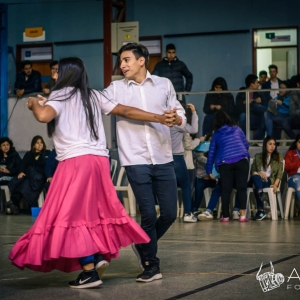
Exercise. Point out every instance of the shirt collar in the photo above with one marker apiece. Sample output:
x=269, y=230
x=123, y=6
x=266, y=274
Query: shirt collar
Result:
x=148, y=78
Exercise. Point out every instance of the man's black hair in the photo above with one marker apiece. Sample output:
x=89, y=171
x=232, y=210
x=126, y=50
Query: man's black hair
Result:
x=25, y=63
x=273, y=67
x=251, y=78
x=263, y=72
x=138, y=50
x=53, y=63
x=170, y=47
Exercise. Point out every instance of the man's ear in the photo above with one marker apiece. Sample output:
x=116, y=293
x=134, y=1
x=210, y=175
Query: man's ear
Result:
x=142, y=61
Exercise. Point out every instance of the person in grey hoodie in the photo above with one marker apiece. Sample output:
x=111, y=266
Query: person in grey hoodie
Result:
x=229, y=151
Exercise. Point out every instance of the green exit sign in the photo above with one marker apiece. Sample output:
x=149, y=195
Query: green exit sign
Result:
x=270, y=35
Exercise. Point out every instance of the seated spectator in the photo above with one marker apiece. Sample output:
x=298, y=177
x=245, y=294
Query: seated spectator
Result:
x=28, y=81
x=295, y=105
x=180, y=168
x=216, y=102
x=263, y=76
x=282, y=117
x=9, y=160
x=54, y=76
x=50, y=167
x=266, y=171
x=257, y=108
x=292, y=165
x=31, y=179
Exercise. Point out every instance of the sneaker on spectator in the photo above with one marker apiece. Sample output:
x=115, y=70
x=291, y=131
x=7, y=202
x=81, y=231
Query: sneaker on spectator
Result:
x=100, y=264
x=86, y=280
x=189, y=218
x=137, y=249
x=260, y=215
x=235, y=215
x=150, y=273
x=222, y=219
x=11, y=208
x=272, y=109
x=196, y=213
x=205, y=216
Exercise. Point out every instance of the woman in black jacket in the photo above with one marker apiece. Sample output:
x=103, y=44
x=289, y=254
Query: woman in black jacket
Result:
x=216, y=102
x=9, y=160
x=31, y=178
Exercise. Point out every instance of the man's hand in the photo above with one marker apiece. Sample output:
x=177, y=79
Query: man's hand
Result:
x=20, y=93
x=218, y=107
x=278, y=102
x=21, y=175
x=49, y=179
x=4, y=170
x=46, y=91
x=258, y=100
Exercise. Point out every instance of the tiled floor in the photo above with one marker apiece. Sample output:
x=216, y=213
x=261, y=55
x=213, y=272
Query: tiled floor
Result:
x=206, y=260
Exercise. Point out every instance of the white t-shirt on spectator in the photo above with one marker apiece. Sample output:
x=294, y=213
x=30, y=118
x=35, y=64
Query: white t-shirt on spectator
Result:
x=72, y=136
x=274, y=85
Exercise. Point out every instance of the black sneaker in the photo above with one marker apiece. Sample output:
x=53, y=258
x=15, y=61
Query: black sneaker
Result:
x=137, y=249
x=260, y=215
x=86, y=280
x=100, y=264
x=11, y=209
x=150, y=273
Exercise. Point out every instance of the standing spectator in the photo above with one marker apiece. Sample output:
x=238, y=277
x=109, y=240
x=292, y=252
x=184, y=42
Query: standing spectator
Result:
x=31, y=179
x=257, y=108
x=263, y=76
x=229, y=151
x=215, y=102
x=9, y=160
x=282, y=118
x=175, y=70
x=272, y=83
x=28, y=81
x=53, y=79
x=292, y=165
x=182, y=175
x=295, y=105
x=266, y=171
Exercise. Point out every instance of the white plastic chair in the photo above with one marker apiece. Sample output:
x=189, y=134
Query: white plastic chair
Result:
x=129, y=201
x=272, y=199
x=289, y=203
x=113, y=168
x=7, y=195
x=180, y=207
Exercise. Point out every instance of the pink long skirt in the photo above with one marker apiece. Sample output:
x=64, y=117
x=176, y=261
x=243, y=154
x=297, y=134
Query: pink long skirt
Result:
x=81, y=216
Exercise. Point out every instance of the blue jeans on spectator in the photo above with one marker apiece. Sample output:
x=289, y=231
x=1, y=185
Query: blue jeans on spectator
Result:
x=294, y=182
x=208, y=124
x=183, y=181
x=281, y=119
x=147, y=181
x=200, y=185
x=215, y=195
x=259, y=185
x=257, y=121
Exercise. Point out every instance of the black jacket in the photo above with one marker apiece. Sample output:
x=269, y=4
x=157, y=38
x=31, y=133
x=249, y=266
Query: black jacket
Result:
x=225, y=100
x=241, y=106
x=38, y=164
x=266, y=96
x=31, y=85
x=175, y=70
x=12, y=163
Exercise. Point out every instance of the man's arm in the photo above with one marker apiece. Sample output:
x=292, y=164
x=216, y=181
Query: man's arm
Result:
x=188, y=78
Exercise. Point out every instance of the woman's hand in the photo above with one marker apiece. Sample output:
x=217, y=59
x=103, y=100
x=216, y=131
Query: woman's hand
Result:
x=49, y=179
x=263, y=176
x=42, y=100
x=212, y=177
x=275, y=188
x=21, y=175
x=192, y=107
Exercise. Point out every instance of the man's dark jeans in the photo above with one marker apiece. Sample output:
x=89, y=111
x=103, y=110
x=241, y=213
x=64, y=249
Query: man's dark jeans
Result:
x=147, y=181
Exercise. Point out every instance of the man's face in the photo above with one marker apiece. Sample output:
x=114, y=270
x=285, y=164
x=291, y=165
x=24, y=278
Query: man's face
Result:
x=54, y=69
x=171, y=54
x=255, y=85
x=273, y=73
x=283, y=93
x=130, y=66
x=27, y=70
x=262, y=78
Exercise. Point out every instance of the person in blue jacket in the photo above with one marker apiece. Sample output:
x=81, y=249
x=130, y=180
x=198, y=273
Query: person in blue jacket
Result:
x=229, y=151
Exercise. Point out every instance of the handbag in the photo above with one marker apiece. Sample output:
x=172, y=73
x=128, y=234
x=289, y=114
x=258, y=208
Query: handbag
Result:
x=203, y=147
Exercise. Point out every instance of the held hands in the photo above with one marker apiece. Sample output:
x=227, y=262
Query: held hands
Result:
x=31, y=101
x=21, y=175
x=171, y=118
x=42, y=100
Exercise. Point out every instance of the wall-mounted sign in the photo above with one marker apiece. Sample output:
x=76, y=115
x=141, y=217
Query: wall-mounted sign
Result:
x=36, y=53
x=34, y=34
x=153, y=46
x=275, y=37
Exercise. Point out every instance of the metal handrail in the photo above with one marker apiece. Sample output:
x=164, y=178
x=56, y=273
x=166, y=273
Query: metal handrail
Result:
x=247, y=103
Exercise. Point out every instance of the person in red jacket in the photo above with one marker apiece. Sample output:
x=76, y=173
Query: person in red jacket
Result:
x=292, y=165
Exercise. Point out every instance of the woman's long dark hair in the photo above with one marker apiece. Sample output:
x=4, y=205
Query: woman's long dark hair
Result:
x=72, y=73
x=11, y=149
x=294, y=144
x=219, y=81
x=221, y=119
x=33, y=142
x=274, y=155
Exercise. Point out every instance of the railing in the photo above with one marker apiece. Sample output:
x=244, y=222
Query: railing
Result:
x=247, y=104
